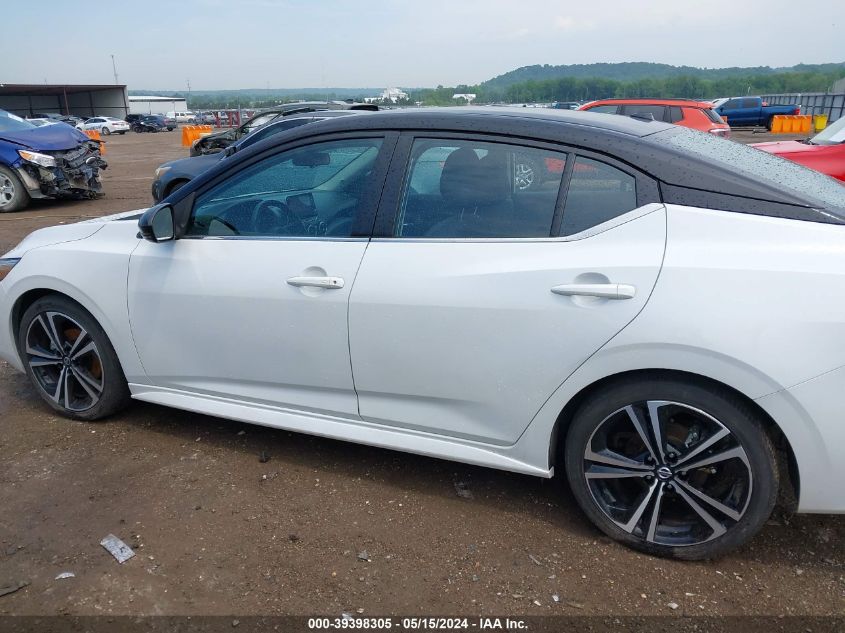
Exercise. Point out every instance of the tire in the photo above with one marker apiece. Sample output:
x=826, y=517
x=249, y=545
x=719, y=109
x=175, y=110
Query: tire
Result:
x=105, y=131
x=744, y=481
x=96, y=387
x=176, y=185
x=769, y=123
x=527, y=173
x=13, y=195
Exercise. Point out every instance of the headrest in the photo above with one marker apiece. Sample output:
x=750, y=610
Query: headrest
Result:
x=459, y=178
x=469, y=181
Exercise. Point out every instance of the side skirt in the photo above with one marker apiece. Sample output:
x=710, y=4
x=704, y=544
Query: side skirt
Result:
x=355, y=431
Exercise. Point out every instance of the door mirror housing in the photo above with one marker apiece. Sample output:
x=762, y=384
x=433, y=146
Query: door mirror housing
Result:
x=156, y=225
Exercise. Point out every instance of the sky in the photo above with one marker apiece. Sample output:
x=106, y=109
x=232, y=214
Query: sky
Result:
x=231, y=44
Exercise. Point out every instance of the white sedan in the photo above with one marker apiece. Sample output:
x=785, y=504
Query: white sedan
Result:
x=662, y=321
x=105, y=125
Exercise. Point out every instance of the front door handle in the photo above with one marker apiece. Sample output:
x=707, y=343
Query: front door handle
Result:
x=604, y=291
x=327, y=283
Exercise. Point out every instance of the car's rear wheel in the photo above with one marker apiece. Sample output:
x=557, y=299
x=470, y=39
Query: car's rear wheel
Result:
x=70, y=361
x=672, y=468
x=105, y=131
x=13, y=195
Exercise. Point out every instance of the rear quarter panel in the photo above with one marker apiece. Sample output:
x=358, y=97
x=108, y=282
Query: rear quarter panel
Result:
x=756, y=303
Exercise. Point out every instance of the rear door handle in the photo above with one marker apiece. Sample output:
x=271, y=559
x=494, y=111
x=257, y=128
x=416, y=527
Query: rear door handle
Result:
x=604, y=291
x=327, y=283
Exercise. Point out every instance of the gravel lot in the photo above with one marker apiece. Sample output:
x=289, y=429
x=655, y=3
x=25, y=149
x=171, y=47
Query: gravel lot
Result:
x=216, y=531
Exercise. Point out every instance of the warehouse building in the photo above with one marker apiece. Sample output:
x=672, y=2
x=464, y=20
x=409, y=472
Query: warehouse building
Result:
x=150, y=104
x=81, y=100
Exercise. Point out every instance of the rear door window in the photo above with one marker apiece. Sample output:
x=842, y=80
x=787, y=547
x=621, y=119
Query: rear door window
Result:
x=750, y=103
x=656, y=112
x=457, y=188
x=597, y=192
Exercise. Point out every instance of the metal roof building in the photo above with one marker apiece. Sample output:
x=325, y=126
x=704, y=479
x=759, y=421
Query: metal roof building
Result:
x=151, y=104
x=81, y=100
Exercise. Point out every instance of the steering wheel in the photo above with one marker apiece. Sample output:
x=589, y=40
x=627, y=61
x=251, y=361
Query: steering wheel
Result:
x=274, y=217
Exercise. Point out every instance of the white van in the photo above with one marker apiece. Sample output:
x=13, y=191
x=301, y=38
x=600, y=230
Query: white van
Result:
x=181, y=117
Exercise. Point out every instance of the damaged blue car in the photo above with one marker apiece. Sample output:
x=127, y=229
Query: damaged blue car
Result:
x=52, y=161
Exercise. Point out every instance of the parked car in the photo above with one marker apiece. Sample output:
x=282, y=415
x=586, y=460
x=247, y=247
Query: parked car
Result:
x=565, y=105
x=219, y=141
x=698, y=115
x=151, y=123
x=825, y=152
x=42, y=122
x=173, y=174
x=205, y=118
x=70, y=119
x=752, y=111
x=51, y=161
x=185, y=116
x=615, y=336
x=106, y=125
x=169, y=123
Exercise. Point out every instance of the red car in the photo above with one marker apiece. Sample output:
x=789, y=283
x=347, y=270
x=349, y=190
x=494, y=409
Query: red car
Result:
x=695, y=114
x=825, y=152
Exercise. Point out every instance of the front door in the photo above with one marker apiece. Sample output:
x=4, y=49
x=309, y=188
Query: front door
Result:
x=251, y=303
x=467, y=319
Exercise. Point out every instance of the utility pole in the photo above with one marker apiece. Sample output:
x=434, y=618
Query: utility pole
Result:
x=114, y=69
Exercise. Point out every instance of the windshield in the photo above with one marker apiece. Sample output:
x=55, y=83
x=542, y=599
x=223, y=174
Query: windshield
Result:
x=781, y=174
x=11, y=123
x=832, y=134
x=258, y=121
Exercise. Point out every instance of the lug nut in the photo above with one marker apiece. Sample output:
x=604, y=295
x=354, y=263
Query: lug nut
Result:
x=670, y=487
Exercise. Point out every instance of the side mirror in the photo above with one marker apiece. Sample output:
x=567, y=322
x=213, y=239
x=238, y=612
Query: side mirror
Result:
x=156, y=225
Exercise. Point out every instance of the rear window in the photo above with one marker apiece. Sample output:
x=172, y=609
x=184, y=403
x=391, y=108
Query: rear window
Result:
x=782, y=174
x=713, y=115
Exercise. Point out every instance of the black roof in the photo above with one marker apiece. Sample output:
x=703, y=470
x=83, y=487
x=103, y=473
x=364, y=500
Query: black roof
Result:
x=507, y=118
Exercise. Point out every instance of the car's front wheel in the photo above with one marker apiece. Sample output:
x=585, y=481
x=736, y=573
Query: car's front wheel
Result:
x=70, y=361
x=672, y=468
x=105, y=131
x=13, y=195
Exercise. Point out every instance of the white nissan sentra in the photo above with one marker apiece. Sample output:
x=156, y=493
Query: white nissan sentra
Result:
x=660, y=314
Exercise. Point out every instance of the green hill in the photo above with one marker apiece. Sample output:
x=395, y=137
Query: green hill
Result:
x=635, y=71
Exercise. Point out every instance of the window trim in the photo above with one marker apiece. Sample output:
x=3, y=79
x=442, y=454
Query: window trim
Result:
x=647, y=188
x=362, y=225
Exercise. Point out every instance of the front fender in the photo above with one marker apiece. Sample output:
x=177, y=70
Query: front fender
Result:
x=93, y=273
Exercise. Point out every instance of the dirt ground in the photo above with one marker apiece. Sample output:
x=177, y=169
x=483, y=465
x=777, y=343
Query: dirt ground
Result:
x=218, y=531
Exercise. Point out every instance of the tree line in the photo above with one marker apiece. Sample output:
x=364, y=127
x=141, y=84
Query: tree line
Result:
x=550, y=90
x=587, y=89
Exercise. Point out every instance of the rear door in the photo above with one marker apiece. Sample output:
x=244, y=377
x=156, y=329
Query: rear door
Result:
x=476, y=300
